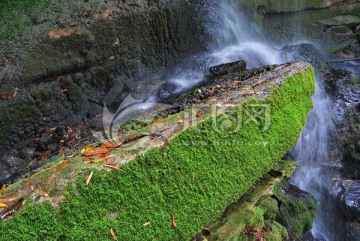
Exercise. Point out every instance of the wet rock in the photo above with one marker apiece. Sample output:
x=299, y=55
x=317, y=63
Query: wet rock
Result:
x=227, y=68
x=351, y=208
x=27, y=153
x=304, y=51
x=67, y=63
x=351, y=199
x=8, y=167
x=342, y=20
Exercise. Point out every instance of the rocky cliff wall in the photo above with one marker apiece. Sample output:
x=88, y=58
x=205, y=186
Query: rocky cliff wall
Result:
x=56, y=55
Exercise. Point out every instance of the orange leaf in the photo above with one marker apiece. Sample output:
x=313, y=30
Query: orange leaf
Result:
x=113, y=234
x=11, y=210
x=57, y=168
x=89, y=178
x=109, y=145
x=173, y=220
x=158, y=121
x=97, y=151
x=8, y=199
x=28, y=181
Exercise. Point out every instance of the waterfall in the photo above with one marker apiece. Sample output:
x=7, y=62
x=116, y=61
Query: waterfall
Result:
x=315, y=174
x=234, y=37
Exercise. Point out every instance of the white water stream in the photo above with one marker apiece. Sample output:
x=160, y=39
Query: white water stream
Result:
x=236, y=37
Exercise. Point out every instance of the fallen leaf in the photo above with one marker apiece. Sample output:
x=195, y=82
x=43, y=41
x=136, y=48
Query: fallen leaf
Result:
x=260, y=82
x=2, y=190
x=117, y=42
x=218, y=87
x=173, y=220
x=158, y=121
x=113, y=234
x=8, y=96
x=28, y=181
x=63, y=90
x=61, y=165
x=180, y=120
x=97, y=160
x=198, y=114
x=2, y=205
x=89, y=178
x=8, y=199
x=109, y=145
x=12, y=210
x=166, y=143
x=112, y=57
x=71, y=156
x=86, y=149
x=146, y=224
x=97, y=151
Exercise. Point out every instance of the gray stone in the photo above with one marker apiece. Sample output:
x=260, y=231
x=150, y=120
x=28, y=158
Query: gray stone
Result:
x=341, y=20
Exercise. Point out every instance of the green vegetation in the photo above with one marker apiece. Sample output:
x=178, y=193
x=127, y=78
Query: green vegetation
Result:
x=18, y=15
x=296, y=212
x=195, y=177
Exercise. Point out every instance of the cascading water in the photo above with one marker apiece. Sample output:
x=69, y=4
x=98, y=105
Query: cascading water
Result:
x=237, y=38
x=315, y=174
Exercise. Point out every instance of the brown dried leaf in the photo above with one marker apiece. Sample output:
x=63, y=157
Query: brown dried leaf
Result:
x=146, y=224
x=158, y=121
x=97, y=151
x=57, y=168
x=89, y=178
x=173, y=220
x=8, y=199
x=113, y=234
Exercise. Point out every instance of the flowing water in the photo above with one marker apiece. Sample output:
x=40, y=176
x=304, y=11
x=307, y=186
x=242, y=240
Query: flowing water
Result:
x=236, y=37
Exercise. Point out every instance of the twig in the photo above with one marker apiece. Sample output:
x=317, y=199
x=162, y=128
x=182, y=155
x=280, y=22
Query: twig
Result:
x=343, y=60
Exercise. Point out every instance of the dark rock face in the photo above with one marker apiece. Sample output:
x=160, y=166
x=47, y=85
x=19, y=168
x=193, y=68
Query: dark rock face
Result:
x=227, y=68
x=97, y=54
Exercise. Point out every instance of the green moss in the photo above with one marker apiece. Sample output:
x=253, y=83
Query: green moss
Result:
x=195, y=177
x=336, y=48
x=296, y=212
x=18, y=15
x=279, y=232
x=270, y=206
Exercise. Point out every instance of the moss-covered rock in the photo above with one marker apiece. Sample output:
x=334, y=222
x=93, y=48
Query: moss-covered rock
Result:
x=195, y=172
x=297, y=209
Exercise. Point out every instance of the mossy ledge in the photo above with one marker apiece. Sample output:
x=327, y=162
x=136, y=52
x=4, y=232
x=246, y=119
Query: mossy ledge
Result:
x=196, y=176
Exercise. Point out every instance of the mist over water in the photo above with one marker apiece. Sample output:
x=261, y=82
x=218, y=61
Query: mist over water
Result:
x=234, y=37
